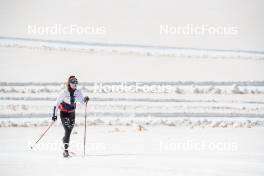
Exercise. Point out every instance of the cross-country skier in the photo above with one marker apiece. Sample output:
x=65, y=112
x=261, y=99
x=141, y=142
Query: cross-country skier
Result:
x=66, y=103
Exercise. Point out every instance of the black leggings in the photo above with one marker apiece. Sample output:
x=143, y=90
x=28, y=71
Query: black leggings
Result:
x=68, y=121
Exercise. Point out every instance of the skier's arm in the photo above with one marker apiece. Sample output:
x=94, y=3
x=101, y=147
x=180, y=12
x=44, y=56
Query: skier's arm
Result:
x=58, y=101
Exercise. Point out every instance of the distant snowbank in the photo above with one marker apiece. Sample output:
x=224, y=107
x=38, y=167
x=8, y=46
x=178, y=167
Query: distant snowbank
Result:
x=187, y=100
x=256, y=87
x=128, y=49
x=177, y=83
x=144, y=123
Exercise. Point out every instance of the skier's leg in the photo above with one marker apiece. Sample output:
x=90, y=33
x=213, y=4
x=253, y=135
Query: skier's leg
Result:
x=65, y=120
x=68, y=121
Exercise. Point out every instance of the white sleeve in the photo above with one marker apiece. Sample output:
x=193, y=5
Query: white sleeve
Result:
x=59, y=99
x=79, y=97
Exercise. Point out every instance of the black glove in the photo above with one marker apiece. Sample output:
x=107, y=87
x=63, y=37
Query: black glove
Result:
x=54, y=118
x=86, y=99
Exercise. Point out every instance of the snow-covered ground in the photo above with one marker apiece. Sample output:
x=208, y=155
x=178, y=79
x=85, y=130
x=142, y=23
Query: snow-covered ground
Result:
x=200, y=128
x=44, y=65
x=123, y=150
x=209, y=123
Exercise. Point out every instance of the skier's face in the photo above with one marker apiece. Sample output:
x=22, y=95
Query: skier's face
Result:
x=73, y=86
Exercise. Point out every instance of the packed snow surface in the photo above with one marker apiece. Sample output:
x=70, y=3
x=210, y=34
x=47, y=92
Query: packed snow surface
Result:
x=127, y=151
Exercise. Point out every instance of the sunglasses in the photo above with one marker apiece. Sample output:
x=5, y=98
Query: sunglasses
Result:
x=73, y=81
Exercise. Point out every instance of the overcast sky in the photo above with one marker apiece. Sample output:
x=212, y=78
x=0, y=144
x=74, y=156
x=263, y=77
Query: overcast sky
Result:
x=138, y=22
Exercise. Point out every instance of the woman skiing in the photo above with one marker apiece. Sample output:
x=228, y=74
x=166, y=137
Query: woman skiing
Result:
x=66, y=103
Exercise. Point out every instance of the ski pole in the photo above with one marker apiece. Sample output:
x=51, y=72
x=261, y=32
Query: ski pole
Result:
x=43, y=134
x=84, y=140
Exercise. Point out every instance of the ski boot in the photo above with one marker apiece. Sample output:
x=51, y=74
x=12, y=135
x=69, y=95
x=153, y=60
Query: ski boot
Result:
x=66, y=154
